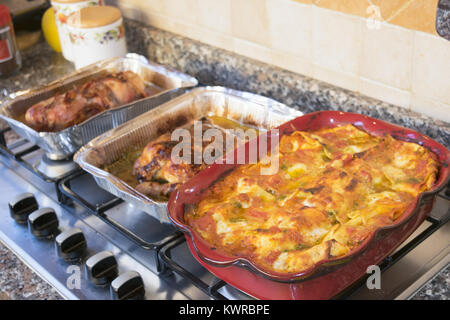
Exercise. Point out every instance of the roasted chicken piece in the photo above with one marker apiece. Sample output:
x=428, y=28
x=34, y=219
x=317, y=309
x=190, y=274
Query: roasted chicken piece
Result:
x=159, y=174
x=78, y=104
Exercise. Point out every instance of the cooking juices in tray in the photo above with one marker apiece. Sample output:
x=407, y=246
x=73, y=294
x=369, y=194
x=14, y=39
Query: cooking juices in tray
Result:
x=154, y=171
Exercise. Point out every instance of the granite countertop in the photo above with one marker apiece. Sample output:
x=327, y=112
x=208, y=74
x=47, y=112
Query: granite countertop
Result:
x=210, y=66
x=19, y=282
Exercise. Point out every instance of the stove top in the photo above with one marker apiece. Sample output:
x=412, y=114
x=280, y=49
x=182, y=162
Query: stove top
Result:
x=114, y=251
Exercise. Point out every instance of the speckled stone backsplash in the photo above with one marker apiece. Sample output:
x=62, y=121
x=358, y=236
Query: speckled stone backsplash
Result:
x=213, y=66
x=443, y=19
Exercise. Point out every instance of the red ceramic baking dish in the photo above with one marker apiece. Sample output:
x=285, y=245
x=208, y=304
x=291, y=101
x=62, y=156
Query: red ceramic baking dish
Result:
x=328, y=277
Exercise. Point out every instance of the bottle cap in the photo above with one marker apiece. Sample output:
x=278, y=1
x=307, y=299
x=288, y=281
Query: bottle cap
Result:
x=5, y=16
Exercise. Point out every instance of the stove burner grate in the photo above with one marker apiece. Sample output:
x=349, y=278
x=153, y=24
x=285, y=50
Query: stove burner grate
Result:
x=19, y=158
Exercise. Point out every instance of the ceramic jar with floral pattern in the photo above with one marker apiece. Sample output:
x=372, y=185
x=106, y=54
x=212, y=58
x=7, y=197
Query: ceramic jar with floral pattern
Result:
x=63, y=9
x=96, y=33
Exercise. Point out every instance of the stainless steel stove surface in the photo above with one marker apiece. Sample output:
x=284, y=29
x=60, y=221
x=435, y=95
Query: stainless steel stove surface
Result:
x=158, y=253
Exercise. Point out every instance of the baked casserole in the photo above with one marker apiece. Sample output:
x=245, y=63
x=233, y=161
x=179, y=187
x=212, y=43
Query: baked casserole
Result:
x=333, y=189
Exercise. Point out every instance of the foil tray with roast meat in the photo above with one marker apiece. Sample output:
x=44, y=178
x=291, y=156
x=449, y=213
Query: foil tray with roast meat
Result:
x=69, y=112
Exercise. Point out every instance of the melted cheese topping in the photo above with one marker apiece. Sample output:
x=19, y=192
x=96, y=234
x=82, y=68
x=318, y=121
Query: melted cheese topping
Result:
x=334, y=187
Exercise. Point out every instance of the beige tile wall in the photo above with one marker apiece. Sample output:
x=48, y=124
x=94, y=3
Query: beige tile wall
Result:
x=412, y=14
x=343, y=42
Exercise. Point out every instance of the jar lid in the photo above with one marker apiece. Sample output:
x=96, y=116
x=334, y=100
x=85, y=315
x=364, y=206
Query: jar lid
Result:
x=68, y=1
x=5, y=16
x=95, y=16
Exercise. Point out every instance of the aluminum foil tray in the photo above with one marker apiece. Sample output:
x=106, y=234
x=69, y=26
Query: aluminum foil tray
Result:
x=65, y=143
x=247, y=108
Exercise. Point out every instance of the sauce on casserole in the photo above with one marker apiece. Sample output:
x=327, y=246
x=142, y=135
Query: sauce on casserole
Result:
x=334, y=187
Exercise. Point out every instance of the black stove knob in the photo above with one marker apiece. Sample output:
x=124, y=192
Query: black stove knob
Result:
x=22, y=206
x=128, y=286
x=71, y=244
x=101, y=268
x=43, y=223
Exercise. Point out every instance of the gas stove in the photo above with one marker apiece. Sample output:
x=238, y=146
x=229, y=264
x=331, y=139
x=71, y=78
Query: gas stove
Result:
x=88, y=244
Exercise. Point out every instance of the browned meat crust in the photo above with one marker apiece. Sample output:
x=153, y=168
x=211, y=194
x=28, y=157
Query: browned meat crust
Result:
x=158, y=174
x=78, y=104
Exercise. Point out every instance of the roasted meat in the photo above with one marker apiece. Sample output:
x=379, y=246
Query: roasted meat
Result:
x=84, y=101
x=157, y=171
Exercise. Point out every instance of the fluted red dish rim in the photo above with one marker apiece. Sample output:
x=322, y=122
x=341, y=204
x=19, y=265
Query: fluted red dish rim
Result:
x=192, y=190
